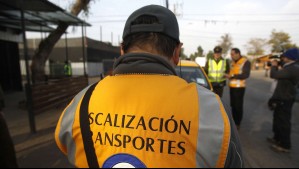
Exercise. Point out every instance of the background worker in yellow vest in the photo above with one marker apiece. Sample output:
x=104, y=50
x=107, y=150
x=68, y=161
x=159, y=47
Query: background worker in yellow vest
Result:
x=67, y=68
x=144, y=115
x=216, y=70
x=240, y=71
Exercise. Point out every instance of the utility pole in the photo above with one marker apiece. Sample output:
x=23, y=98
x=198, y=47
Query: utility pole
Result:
x=101, y=33
x=112, y=38
x=167, y=4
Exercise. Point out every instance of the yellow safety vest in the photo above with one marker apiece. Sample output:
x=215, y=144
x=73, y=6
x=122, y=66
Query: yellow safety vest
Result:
x=68, y=70
x=148, y=121
x=217, y=71
x=236, y=69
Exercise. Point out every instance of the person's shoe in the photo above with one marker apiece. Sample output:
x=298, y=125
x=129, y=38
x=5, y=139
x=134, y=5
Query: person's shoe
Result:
x=272, y=140
x=280, y=149
x=238, y=127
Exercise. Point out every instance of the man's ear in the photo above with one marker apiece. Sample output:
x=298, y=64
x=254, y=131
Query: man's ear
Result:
x=122, y=52
x=177, y=53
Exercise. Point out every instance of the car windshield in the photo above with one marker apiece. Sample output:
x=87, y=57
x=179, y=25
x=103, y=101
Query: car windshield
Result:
x=193, y=74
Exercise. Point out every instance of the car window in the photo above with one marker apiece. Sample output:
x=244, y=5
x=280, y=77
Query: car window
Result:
x=193, y=74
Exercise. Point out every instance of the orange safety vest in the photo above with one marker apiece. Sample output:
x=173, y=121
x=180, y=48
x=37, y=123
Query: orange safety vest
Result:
x=236, y=69
x=153, y=121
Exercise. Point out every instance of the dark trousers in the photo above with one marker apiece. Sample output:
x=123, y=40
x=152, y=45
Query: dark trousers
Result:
x=282, y=123
x=218, y=90
x=237, y=102
x=7, y=151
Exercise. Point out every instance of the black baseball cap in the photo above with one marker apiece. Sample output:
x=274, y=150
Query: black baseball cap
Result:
x=168, y=24
x=217, y=49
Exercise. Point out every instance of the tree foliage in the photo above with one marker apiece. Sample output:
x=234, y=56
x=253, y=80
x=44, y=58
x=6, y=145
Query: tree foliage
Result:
x=46, y=46
x=256, y=46
x=199, y=53
x=280, y=41
x=183, y=55
x=226, y=43
x=210, y=55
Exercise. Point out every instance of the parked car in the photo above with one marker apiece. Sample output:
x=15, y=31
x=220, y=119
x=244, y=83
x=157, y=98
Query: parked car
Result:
x=192, y=72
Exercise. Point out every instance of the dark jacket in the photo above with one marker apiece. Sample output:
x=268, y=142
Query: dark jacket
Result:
x=2, y=105
x=288, y=79
x=7, y=151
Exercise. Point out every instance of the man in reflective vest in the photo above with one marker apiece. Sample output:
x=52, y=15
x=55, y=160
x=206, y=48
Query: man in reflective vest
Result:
x=144, y=115
x=240, y=71
x=67, y=68
x=216, y=69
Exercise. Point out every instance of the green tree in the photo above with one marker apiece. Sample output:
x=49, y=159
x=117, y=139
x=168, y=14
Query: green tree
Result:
x=46, y=46
x=226, y=42
x=193, y=57
x=280, y=41
x=256, y=46
x=183, y=55
x=199, y=53
x=210, y=55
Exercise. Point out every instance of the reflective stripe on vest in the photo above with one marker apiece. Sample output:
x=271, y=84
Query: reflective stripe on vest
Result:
x=217, y=71
x=64, y=131
x=236, y=69
x=214, y=132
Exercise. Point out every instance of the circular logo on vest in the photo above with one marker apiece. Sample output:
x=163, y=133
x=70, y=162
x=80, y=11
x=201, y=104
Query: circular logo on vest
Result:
x=123, y=161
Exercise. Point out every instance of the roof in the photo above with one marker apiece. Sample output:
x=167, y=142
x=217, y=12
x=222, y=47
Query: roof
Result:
x=188, y=63
x=96, y=51
x=40, y=15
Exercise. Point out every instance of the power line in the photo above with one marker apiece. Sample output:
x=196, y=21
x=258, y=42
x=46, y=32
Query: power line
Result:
x=216, y=14
x=244, y=14
x=212, y=21
x=207, y=21
x=246, y=33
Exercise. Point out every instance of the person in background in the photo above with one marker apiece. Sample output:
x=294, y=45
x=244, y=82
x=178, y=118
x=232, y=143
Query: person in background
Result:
x=7, y=151
x=216, y=69
x=283, y=99
x=67, y=69
x=267, y=68
x=240, y=71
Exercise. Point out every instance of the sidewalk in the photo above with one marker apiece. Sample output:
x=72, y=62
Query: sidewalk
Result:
x=34, y=150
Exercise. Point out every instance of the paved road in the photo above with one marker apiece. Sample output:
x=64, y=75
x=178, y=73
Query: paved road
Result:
x=257, y=125
x=39, y=150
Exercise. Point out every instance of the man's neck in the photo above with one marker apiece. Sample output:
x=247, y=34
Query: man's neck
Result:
x=238, y=59
x=218, y=59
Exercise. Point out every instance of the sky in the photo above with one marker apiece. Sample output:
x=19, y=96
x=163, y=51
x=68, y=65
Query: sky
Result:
x=202, y=22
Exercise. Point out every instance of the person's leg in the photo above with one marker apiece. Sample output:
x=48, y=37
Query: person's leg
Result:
x=275, y=124
x=7, y=155
x=218, y=91
x=267, y=74
x=237, y=98
x=232, y=103
x=285, y=124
